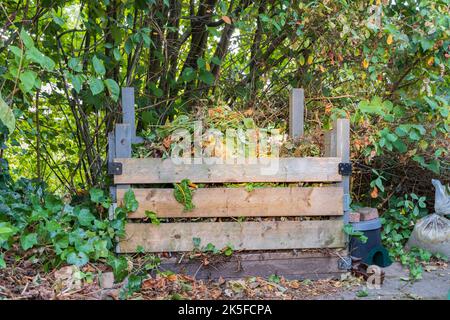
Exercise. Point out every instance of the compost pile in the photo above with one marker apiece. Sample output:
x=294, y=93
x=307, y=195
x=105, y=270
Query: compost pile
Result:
x=159, y=141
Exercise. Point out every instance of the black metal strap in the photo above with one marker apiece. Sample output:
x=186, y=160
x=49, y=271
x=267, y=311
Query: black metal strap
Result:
x=345, y=168
x=115, y=168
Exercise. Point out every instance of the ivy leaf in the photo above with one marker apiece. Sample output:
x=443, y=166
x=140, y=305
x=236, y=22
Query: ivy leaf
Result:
x=99, y=67
x=113, y=89
x=96, y=195
x=119, y=266
x=206, y=77
x=27, y=40
x=130, y=201
x=96, y=86
x=7, y=116
x=85, y=217
x=28, y=79
x=79, y=259
x=28, y=241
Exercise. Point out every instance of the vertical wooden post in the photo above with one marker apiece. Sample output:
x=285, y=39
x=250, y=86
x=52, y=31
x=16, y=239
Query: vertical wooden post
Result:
x=330, y=143
x=342, y=128
x=129, y=112
x=296, y=113
x=111, y=156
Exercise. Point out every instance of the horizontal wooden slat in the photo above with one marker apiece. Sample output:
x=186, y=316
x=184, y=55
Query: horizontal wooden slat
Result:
x=290, y=265
x=238, y=202
x=155, y=170
x=266, y=235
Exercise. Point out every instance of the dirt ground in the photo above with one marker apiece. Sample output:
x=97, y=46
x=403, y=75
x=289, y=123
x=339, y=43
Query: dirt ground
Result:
x=23, y=282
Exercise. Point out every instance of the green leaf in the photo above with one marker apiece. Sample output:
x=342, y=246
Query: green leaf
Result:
x=196, y=241
x=113, y=89
x=7, y=116
x=201, y=63
x=152, y=216
x=16, y=51
x=183, y=194
x=85, y=217
x=362, y=293
x=28, y=241
x=96, y=195
x=130, y=201
x=2, y=261
x=206, y=77
x=36, y=56
x=216, y=61
x=27, y=40
x=79, y=259
x=99, y=67
x=28, y=79
x=117, y=54
x=274, y=278
x=400, y=146
x=119, y=266
x=76, y=81
x=188, y=74
x=47, y=63
x=96, y=86
x=75, y=64
x=249, y=123
x=426, y=44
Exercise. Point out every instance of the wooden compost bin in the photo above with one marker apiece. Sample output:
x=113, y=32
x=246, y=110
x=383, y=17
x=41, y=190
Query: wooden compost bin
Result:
x=287, y=248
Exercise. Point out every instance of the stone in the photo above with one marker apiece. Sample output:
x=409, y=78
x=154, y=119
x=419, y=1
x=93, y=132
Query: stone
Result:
x=367, y=213
x=107, y=280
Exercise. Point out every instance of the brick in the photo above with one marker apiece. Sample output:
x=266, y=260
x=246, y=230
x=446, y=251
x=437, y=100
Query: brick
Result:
x=354, y=217
x=367, y=213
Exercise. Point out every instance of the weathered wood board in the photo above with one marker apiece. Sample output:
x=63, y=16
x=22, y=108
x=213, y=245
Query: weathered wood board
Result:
x=290, y=265
x=264, y=235
x=239, y=202
x=155, y=170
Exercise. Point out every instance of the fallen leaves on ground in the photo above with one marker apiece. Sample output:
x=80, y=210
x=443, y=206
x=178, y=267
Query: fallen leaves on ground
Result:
x=27, y=280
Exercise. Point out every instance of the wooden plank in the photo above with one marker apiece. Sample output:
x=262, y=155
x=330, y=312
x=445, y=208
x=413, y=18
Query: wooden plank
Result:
x=265, y=235
x=238, y=202
x=240, y=265
x=123, y=145
x=155, y=170
x=111, y=156
x=129, y=112
x=330, y=143
x=296, y=113
x=123, y=140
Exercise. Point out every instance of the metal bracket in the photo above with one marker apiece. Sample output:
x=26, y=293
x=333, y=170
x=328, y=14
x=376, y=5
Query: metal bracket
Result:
x=115, y=168
x=345, y=168
x=345, y=263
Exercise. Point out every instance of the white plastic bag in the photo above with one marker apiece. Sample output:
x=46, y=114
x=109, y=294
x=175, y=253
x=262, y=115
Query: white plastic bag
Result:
x=432, y=232
x=442, y=198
